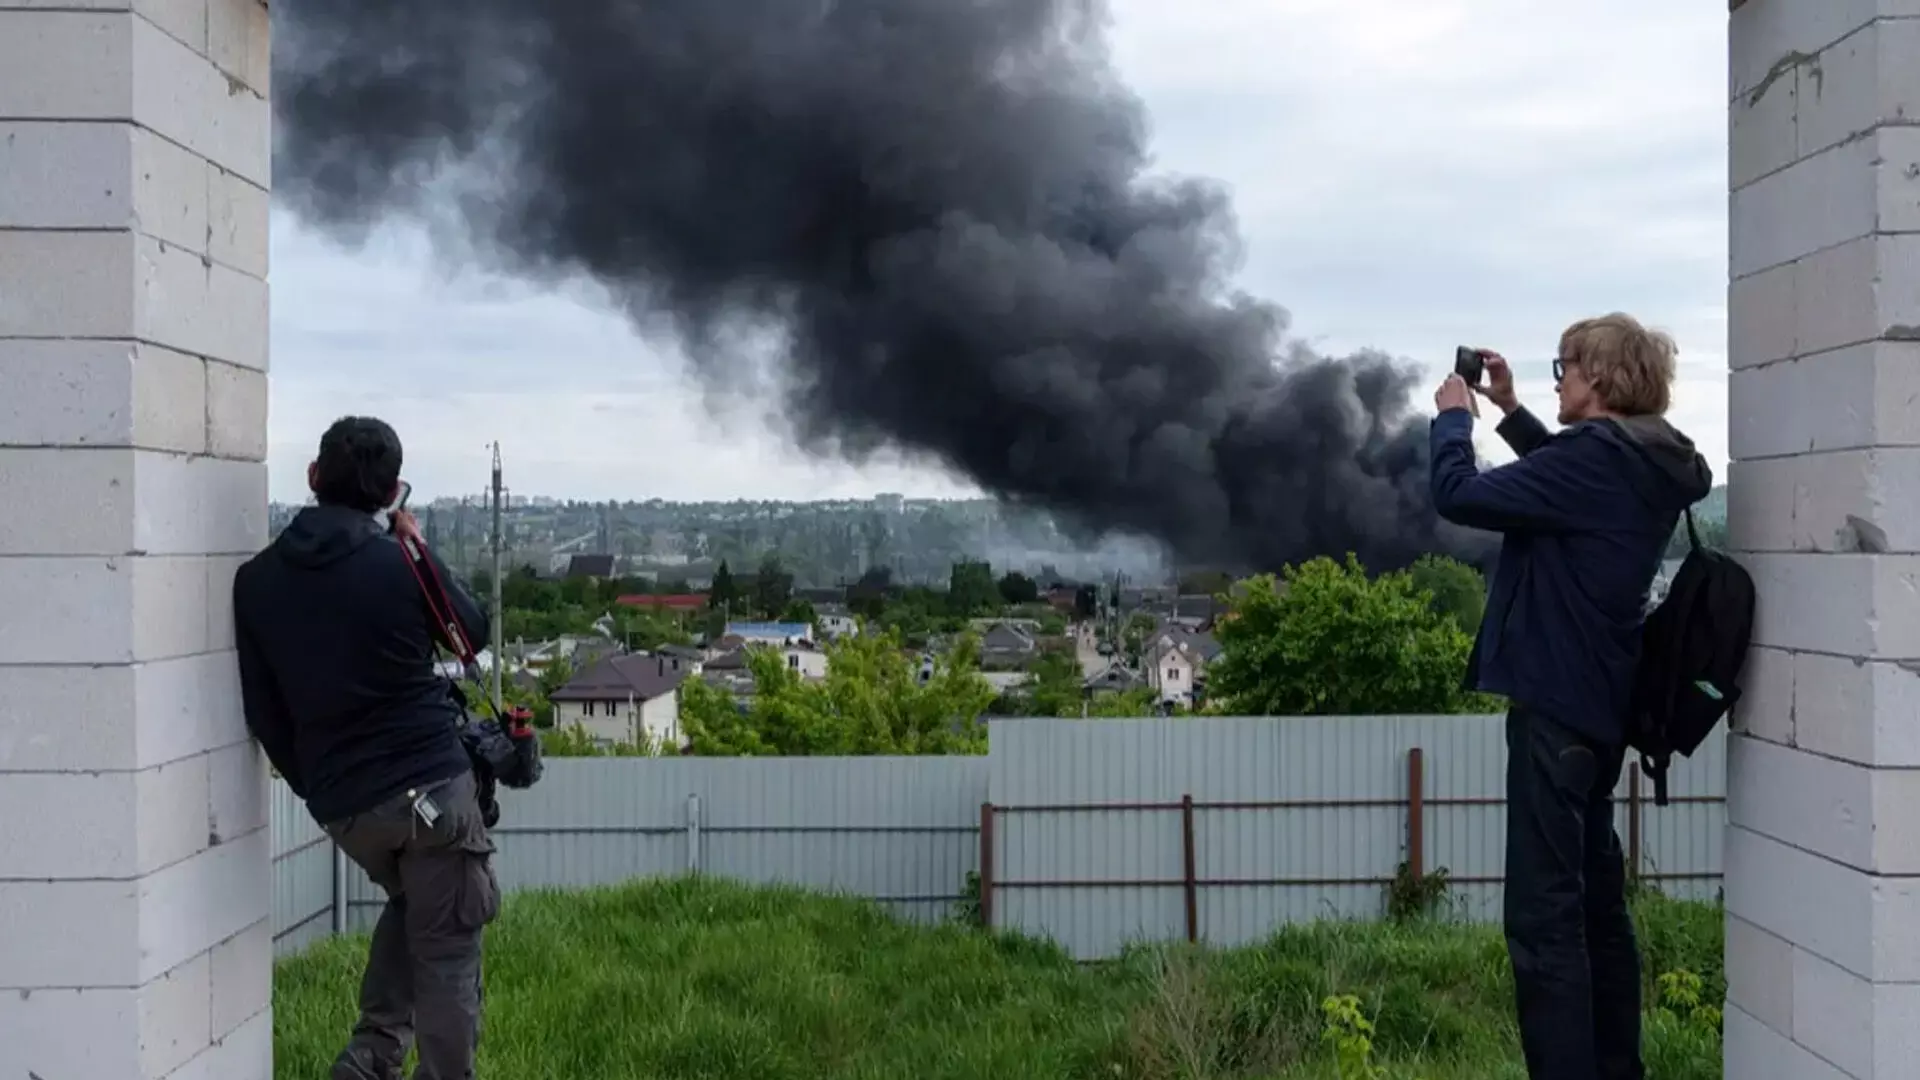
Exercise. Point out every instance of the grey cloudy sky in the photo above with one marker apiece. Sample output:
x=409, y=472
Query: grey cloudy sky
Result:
x=1409, y=174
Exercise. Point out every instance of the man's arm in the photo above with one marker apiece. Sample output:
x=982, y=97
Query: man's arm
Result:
x=1556, y=487
x=1522, y=430
x=266, y=711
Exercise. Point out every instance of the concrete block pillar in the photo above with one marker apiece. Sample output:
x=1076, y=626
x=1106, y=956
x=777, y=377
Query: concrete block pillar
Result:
x=134, y=857
x=1823, y=841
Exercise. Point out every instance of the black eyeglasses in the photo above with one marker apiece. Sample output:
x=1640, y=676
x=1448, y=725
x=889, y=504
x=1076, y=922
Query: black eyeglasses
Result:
x=1559, y=369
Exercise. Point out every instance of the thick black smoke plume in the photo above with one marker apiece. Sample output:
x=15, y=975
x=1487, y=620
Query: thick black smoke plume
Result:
x=943, y=208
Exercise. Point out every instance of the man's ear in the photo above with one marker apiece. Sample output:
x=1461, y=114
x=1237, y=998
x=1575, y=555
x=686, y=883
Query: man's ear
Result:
x=313, y=477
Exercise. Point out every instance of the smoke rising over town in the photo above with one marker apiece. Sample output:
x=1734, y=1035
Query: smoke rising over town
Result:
x=942, y=211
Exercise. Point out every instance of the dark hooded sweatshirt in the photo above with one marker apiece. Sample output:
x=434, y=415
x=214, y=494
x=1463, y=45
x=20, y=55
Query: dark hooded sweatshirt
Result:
x=1585, y=515
x=337, y=667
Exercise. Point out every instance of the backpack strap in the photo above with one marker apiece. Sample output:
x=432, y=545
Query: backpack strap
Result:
x=1693, y=534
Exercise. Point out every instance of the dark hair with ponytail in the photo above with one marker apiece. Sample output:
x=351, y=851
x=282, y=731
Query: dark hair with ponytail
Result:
x=359, y=464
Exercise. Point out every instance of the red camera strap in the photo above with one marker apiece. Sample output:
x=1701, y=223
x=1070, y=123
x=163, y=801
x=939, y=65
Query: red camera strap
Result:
x=439, y=604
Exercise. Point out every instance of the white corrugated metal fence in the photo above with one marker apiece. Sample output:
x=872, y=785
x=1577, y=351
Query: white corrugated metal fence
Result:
x=1292, y=818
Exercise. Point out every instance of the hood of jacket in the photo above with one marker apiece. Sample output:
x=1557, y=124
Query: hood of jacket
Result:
x=1673, y=473
x=319, y=535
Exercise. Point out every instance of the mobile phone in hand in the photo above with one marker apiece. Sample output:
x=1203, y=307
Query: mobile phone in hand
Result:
x=1469, y=364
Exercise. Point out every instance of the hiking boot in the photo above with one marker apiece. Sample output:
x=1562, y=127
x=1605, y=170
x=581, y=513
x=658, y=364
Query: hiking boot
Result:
x=358, y=1063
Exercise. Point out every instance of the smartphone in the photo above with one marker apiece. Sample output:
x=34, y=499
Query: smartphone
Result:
x=385, y=517
x=1469, y=364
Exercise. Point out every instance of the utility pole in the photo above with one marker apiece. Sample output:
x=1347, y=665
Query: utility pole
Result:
x=460, y=537
x=499, y=615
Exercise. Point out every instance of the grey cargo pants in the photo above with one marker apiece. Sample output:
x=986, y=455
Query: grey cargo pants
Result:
x=422, y=982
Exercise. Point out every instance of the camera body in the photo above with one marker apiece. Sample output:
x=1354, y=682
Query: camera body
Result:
x=1469, y=364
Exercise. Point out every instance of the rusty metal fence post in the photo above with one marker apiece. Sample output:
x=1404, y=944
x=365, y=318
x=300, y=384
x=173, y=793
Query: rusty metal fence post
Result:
x=1190, y=879
x=986, y=865
x=1416, y=814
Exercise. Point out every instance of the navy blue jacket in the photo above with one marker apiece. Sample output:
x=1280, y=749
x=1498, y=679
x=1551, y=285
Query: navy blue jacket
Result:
x=337, y=672
x=1585, y=515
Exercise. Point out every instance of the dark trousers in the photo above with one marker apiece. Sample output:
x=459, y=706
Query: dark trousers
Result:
x=422, y=982
x=1576, y=966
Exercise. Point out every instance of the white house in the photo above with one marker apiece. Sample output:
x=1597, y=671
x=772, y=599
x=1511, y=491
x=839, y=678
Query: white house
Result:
x=1175, y=663
x=837, y=622
x=806, y=658
x=627, y=699
x=1170, y=673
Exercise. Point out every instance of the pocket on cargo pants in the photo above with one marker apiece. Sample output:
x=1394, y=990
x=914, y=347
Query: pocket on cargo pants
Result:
x=479, y=901
x=475, y=888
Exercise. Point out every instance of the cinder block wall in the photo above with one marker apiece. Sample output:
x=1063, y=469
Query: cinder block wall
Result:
x=134, y=887
x=1823, y=845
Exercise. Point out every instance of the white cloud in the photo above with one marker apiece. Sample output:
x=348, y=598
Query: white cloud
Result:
x=1409, y=175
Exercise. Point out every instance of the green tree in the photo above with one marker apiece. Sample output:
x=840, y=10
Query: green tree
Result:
x=772, y=586
x=971, y=589
x=1457, y=590
x=800, y=611
x=641, y=629
x=1133, y=636
x=871, y=702
x=1127, y=703
x=1334, y=641
x=1017, y=588
x=723, y=594
x=1056, y=689
x=868, y=596
x=525, y=588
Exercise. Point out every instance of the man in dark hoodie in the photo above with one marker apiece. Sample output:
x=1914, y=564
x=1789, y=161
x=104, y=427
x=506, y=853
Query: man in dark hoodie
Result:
x=1585, y=515
x=340, y=686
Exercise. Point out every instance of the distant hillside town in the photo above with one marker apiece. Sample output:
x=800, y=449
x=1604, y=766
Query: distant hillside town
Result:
x=821, y=543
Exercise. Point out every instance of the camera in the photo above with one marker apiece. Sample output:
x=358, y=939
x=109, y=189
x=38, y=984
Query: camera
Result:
x=1469, y=364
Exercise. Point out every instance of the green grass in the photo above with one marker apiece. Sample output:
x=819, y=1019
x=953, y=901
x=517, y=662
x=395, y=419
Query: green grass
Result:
x=701, y=980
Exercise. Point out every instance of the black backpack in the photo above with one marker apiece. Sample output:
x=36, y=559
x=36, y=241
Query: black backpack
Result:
x=1692, y=649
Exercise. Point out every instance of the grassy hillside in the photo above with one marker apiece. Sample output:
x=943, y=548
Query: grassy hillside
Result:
x=707, y=981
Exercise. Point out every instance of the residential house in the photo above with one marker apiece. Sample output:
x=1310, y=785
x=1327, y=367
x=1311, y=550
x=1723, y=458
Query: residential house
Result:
x=1175, y=661
x=686, y=654
x=806, y=658
x=1029, y=627
x=626, y=699
x=836, y=621
x=770, y=633
x=678, y=603
x=590, y=566
x=1006, y=647
x=1001, y=681
x=731, y=672
x=1115, y=678
x=822, y=596
x=722, y=645
x=728, y=671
